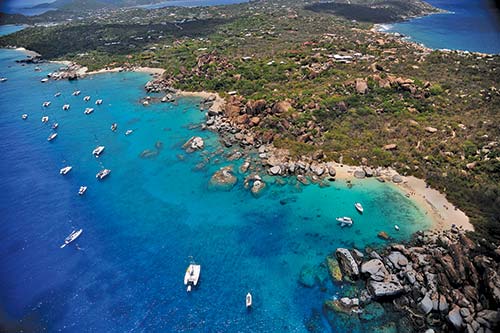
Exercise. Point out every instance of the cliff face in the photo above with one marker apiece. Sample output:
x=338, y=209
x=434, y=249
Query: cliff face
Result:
x=441, y=281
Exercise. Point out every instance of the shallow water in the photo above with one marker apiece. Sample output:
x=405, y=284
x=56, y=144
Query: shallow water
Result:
x=145, y=220
x=471, y=25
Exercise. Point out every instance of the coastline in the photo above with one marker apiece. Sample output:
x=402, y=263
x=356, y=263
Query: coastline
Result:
x=431, y=201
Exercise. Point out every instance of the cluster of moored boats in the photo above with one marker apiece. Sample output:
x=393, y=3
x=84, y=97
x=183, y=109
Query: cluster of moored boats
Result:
x=347, y=221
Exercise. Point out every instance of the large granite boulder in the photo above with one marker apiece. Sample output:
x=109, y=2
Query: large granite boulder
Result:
x=390, y=287
x=455, y=318
x=347, y=263
x=223, y=179
x=193, y=144
x=375, y=269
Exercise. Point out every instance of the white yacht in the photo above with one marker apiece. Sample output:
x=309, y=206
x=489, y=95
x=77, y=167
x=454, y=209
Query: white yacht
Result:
x=57, y=94
x=359, y=207
x=128, y=132
x=45, y=119
x=248, y=300
x=52, y=137
x=345, y=221
x=46, y=104
x=103, y=173
x=55, y=125
x=24, y=116
x=88, y=110
x=192, y=276
x=114, y=126
x=76, y=93
x=65, y=107
x=82, y=190
x=98, y=102
x=396, y=227
x=71, y=237
x=3, y=79
x=98, y=151
x=65, y=170
x=44, y=80
x=86, y=98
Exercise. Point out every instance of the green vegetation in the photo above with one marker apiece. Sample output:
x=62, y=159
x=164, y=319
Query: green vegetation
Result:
x=266, y=51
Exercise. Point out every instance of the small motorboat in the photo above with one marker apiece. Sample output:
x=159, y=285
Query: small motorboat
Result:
x=86, y=98
x=3, y=79
x=57, y=94
x=71, y=237
x=65, y=170
x=114, y=126
x=65, y=107
x=102, y=174
x=44, y=80
x=82, y=190
x=98, y=151
x=192, y=276
x=396, y=227
x=359, y=207
x=45, y=119
x=46, y=104
x=37, y=69
x=98, y=102
x=76, y=93
x=24, y=116
x=345, y=221
x=88, y=110
x=55, y=126
x=52, y=137
x=248, y=300
x=145, y=103
x=128, y=132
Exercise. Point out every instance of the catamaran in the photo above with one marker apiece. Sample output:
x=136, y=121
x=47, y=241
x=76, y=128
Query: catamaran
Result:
x=82, y=190
x=98, y=151
x=65, y=170
x=103, y=173
x=345, y=221
x=192, y=276
x=71, y=237
x=52, y=137
x=359, y=207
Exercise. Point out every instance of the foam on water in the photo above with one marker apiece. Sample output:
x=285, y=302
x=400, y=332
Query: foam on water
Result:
x=142, y=223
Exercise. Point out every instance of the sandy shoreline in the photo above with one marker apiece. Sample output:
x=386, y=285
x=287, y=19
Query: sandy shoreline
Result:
x=433, y=202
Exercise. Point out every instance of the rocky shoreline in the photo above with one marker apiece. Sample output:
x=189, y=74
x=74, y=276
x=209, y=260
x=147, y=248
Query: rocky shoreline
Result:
x=440, y=282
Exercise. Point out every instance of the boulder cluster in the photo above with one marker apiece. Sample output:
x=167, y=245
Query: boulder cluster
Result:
x=441, y=280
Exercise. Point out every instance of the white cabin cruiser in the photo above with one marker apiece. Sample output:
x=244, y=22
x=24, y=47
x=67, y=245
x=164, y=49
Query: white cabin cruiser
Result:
x=114, y=126
x=82, y=190
x=345, y=221
x=128, y=132
x=359, y=207
x=65, y=170
x=192, y=276
x=44, y=80
x=98, y=102
x=98, y=151
x=3, y=79
x=55, y=125
x=45, y=119
x=71, y=237
x=65, y=107
x=57, y=94
x=76, y=93
x=86, y=98
x=24, y=116
x=103, y=173
x=46, y=104
x=248, y=300
x=52, y=137
x=88, y=110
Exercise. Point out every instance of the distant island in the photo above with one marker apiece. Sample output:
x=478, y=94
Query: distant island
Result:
x=317, y=83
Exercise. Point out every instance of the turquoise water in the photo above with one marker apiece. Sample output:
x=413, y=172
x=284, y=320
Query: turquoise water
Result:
x=471, y=25
x=143, y=222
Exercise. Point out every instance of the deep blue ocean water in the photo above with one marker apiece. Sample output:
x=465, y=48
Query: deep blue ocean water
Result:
x=470, y=25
